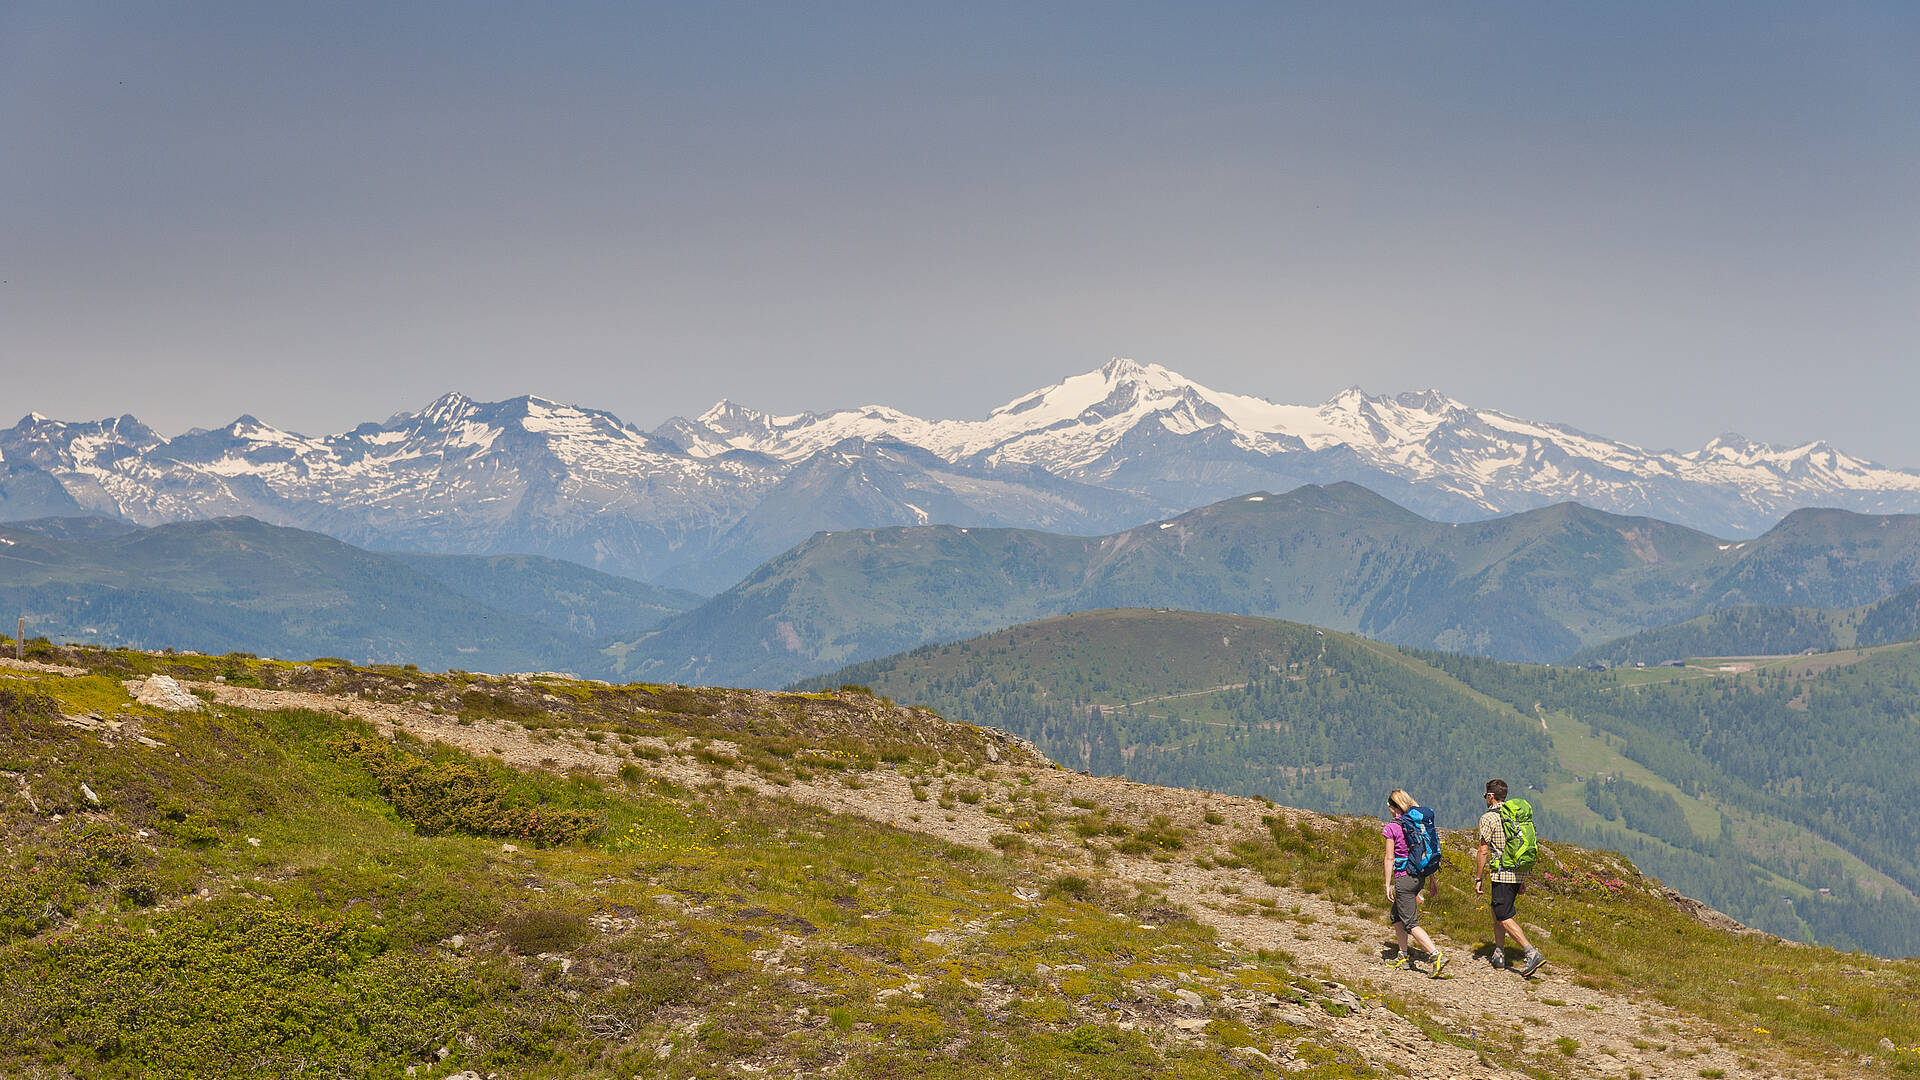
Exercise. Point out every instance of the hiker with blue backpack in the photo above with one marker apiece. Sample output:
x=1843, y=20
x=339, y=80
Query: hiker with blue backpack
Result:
x=1412, y=858
x=1506, y=834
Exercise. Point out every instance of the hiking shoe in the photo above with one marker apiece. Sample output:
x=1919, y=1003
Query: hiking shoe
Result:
x=1439, y=965
x=1403, y=962
x=1531, y=962
x=1499, y=960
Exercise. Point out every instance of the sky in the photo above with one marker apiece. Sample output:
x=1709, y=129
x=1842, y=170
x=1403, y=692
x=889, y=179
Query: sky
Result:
x=1654, y=222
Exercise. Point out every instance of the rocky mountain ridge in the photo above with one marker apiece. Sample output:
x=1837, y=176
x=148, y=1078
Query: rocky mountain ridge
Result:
x=1145, y=427
x=697, y=503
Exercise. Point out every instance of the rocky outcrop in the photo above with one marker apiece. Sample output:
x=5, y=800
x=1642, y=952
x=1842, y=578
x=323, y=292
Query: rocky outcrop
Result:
x=163, y=692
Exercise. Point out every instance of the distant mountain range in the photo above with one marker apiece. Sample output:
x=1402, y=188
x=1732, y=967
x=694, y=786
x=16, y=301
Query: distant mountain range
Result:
x=1540, y=585
x=1532, y=586
x=236, y=584
x=697, y=503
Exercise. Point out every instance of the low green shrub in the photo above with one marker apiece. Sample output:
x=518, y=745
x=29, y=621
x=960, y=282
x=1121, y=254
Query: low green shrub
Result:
x=236, y=990
x=1091, y=1039
x=36, y=893
x=1072, y=886
x=545, y=930
x=26, y=716
x=95, y=851
x=458, y=796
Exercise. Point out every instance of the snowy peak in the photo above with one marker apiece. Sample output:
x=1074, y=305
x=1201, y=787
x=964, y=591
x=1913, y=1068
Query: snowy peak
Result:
x=730, y=418
x=52, y=444
x=1739, y=449
x=122, y=429
x=445, y=411
x=1352, y=416
x=1115, y=388
x=730, y=426
x=1431, y=401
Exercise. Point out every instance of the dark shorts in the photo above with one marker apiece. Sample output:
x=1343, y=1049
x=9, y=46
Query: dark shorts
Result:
x=1503, y=895
x=1406, y=900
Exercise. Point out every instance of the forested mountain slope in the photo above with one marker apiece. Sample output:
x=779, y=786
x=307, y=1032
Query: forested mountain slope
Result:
x=1766, y=631
x=1826, y=744
x=1226, y=703
x=1747, y=787
x=1535, y=586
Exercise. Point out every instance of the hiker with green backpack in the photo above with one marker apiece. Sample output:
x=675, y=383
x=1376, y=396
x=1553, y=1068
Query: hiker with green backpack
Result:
x=1506, y=833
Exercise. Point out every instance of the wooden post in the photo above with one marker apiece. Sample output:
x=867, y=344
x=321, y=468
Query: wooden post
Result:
x=20, y=640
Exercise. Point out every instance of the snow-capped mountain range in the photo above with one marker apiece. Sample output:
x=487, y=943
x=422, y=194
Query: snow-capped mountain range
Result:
x=697, y=503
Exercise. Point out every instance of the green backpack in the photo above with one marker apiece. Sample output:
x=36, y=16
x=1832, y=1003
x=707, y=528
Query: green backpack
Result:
x=1522, y=849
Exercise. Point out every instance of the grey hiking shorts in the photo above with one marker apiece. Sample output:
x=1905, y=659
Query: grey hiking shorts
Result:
x=1406, y=899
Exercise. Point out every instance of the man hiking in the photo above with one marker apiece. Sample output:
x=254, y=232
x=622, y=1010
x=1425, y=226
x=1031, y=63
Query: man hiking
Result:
x=1506, y=833
x=1412, y=857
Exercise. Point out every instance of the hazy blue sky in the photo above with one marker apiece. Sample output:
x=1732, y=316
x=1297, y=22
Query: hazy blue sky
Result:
x=1656, y=222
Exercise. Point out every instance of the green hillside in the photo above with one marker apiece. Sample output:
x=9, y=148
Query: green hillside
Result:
x=1225, y=703
x=1745, y=787
x=237, y=584
x=337, y=871
x=1534, y=586
x=1804, y=760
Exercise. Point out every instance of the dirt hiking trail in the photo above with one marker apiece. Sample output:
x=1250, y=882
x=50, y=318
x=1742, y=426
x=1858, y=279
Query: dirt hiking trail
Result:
x=1616, y=1036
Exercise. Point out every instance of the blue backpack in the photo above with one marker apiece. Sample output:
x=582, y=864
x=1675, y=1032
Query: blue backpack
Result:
x=1423, y=842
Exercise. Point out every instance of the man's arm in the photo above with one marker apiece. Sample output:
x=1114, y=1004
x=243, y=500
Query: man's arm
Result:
x=1480, y=867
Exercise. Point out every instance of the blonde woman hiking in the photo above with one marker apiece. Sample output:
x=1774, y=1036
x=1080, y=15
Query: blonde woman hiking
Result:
x=1411, y=859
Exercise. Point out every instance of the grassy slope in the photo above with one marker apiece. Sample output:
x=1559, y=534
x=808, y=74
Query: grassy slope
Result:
x=149, y=935
x=1187, y=670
